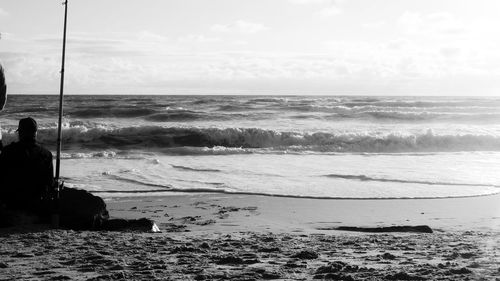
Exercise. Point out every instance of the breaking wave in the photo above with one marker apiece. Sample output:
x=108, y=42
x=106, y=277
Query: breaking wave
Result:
x=190, y=140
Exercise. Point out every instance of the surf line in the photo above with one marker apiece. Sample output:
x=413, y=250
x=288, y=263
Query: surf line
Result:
x=367, y=178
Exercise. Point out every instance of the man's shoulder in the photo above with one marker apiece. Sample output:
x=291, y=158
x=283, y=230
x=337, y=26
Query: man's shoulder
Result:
x=9, y=151
x=44, y=150
x=17, y=146
x=10, y=147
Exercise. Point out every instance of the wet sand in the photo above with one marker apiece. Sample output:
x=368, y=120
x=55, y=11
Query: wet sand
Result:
x=214, y=237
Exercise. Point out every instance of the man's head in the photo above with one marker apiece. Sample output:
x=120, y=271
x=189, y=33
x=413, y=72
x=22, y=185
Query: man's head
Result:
x=27, y=129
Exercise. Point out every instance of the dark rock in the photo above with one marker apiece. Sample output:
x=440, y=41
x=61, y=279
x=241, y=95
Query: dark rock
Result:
x=462, y=270
x=3, y=265
x=142, y=224
x=403, y=276
x=333, y=276
x=340, y=277
x=61, y=277
x=474, y=265
x=332, y=267
x=251, y=261
x=183, y=249
x=271, y=275
x=204, y=245
x=224, y=210
x=404, y=228
x=269, y=250
x=202, y=277
x=229, y=260
x=388, y=256
x=68, y=262
x=79, y=209
x=23, y=255
x=306, y=255
x=467, y=255
x=292, y=264
x=116, y=267
x=205, y=222
x=337, y=266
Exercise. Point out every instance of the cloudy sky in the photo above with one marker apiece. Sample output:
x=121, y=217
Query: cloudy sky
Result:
x=363, y=47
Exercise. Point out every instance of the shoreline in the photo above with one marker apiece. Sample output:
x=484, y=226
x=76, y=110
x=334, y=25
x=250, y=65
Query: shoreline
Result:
x=284, y=214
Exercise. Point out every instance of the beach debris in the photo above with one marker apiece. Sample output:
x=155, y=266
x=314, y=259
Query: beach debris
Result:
x=403, y=228
x=204, y=245
x=462, y=270
x=336, y=266
x=233, y=260
x=155, y=228
x=61, y=277
x=388, y=256
x=332, y=276
x=229, y=259
x=23, y=255
x=403, y=276
x=306, y=255
x=268, y=249
x=142, y=224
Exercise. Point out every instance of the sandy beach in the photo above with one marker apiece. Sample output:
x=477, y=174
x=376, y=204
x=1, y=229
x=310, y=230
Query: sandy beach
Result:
x=243, y=237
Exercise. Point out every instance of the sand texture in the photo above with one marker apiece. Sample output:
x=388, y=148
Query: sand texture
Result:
x=252, y=238
x=70, y=255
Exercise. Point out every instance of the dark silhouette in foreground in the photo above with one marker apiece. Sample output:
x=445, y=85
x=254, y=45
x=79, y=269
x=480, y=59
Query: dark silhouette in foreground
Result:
x=27, y=191
x=26, y=173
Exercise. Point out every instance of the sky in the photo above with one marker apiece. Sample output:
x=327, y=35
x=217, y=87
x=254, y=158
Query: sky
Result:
x=304, y=47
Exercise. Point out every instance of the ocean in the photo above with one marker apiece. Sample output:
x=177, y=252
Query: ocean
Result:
x=299, y=146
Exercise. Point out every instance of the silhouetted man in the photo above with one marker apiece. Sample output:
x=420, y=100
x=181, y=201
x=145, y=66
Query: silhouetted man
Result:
x=26, y=171
x=3, y=97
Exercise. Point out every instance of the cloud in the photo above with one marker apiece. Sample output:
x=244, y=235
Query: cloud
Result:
x=374, y=24
x=151, y=37
x=330, y=11
x=411, y=21
x=239, y=26
x=3, y=13
x=196, y=38
x=436, y=23
x=446, y=23
x=308, y=2
x=450, y=52
x=357, y=66
x=329, y=8
x=135, y=61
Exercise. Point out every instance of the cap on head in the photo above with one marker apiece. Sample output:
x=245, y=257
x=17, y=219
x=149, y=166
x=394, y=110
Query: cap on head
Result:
x=27, y=125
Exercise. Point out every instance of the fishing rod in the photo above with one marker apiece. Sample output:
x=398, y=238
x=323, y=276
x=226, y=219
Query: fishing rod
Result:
x=58, y=184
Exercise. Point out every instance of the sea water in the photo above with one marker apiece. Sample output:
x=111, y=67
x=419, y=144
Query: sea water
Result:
x=300, y=146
